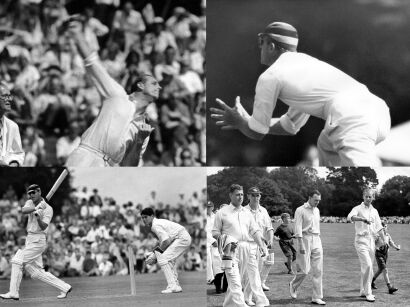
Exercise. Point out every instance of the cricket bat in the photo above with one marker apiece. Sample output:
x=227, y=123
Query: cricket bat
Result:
x=57, y=184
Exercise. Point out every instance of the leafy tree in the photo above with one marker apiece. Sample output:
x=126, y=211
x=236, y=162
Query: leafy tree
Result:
x=394, y=197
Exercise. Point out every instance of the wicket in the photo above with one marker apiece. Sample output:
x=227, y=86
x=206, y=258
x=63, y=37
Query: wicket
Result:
x=131, y=263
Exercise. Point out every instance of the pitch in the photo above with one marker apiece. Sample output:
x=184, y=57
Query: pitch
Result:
x=113, y=291
x=341, y=274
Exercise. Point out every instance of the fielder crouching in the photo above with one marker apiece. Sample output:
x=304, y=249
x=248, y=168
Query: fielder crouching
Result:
x=30, y=257
x=174, y=241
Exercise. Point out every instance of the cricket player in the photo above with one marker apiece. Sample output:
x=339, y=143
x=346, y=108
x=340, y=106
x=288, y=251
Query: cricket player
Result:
x=174, y=241
x=120, y=126
x=307, y=232
x=284, y=234
x=382, y=252
x=30, y=257
x=264, y=223
x=356, y=120
x=237, y=222
x=368, y=226
x=214, y=272
x=11, y=151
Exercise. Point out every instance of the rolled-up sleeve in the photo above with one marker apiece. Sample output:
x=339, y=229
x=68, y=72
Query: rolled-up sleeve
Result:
x=293, y=120
x=217, y=229
x=298, y=223
x=352, y=213
x=266, y=93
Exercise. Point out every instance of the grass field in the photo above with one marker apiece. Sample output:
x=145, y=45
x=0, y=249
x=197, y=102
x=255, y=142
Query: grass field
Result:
x=341, y=272
x=112, y=291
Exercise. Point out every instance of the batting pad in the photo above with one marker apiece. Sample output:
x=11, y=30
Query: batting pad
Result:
x=18, y=258
x=15, y=279
x=48, y=278
x=169, y=274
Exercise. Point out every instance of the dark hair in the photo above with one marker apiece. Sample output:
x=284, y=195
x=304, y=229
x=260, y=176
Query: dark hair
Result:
x=141, y=79
x=148, y=211
x=235, y=187
x=313, y=192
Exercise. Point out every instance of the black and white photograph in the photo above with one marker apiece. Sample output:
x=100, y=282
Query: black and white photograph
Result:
x=309, y=83
x=93, y=83
x=102, y=237
x=294, y=236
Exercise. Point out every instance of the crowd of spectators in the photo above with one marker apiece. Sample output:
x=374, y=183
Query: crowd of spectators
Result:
x=90, y=235
x=55, y=101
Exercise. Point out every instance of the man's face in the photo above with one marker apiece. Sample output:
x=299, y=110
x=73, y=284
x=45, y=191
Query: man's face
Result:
x=35, y=195
x=368, y=197
x=209, y=209
x=254, y=198
x=236, y=197
x=151, y=87
x=314, y=200
x=267, y=50
x=147, y=219
x=5, y=99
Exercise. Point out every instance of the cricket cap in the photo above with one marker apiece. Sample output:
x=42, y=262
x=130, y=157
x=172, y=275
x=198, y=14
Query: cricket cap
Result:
x=283, y=34
x=254, y=190
x=33, y=187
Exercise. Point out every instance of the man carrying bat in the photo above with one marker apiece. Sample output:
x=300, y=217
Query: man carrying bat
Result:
x=356, y=120
x=30, y=257
x=119, y=134
x=174, y=241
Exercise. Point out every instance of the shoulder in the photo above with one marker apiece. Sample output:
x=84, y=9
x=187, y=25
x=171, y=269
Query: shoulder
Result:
x=10, y=123
x=28, y=203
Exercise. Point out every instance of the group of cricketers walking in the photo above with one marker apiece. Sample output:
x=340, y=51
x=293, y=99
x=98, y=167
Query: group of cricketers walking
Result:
x=240, y=246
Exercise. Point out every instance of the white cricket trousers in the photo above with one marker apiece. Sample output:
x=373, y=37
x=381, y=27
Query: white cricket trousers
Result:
x=312, y=259
x=245, y=262
x=357, y=120
x=365, y=248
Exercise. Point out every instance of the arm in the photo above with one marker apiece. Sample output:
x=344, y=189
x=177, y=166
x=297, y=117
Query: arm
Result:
x=15, y=152
x=106, y=85
x=391, y=243
x=298, y=230
x=40, y=222
x=216, y=230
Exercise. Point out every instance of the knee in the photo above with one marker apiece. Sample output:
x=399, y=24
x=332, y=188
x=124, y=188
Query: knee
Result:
x=18, y=258
x=32, y=271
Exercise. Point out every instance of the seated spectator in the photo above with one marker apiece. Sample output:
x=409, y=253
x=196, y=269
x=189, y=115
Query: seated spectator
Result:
x=66, y=144
x=194, y=258
x=75, y=266
x=90, y=267
x=105, y=266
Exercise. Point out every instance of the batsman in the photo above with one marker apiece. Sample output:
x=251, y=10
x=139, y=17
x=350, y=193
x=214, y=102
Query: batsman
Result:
x=30, y=257
x=174, y=241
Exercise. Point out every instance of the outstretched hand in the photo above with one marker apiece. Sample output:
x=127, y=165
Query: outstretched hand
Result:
x=229, y=118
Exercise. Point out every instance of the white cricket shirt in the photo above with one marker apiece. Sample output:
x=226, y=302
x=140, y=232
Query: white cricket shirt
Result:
x=235, y=222
x=371, y=214
x=307, y=85
x=307, y=220
x=46, y=216
x=165, y=229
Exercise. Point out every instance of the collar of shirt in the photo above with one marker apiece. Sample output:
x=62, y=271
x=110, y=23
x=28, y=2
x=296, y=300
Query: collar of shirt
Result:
x=240, y=208
x=365, y=207
x=308, y=206
x=253, y=210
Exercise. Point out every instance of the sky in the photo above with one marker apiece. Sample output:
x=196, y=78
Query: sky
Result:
x=383, y=173
x=136, y=184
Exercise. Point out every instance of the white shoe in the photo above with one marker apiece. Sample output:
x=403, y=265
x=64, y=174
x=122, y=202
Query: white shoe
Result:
x=318, y=301
x=250, y=303
x=64, y=294
x=173, y=289
x=8, y=296
x=292, y=291
x=265, y=287
x=370, y=298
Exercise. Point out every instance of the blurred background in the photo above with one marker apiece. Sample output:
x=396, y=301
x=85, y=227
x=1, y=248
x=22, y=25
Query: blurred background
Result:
x=97, y=216
x=364, y=38
x=54, y=101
